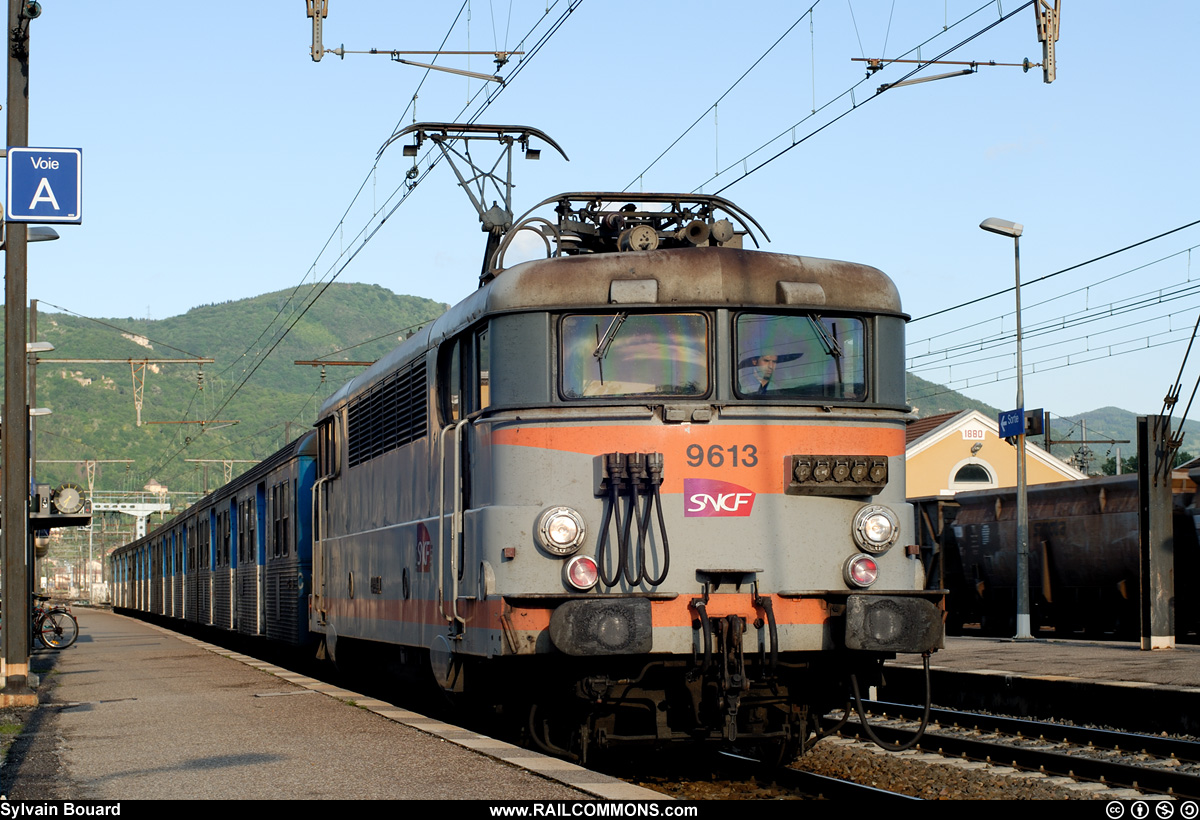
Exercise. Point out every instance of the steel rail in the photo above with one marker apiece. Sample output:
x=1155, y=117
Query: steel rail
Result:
x=1056, y=763
x=1187, y=751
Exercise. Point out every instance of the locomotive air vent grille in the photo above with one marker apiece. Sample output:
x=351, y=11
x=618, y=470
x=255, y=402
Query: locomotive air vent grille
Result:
x=389, y=415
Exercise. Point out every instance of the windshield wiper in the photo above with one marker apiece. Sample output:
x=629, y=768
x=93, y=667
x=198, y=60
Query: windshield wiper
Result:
x=602, y=346
x=832, y=348
x=829, y=340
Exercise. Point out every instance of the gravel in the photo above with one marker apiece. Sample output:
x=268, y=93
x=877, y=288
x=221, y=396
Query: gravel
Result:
x=917, y=774
x=932, y=777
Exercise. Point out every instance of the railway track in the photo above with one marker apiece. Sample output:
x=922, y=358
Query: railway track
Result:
x=1151, y=764
x=706, y=774
x=818, y=786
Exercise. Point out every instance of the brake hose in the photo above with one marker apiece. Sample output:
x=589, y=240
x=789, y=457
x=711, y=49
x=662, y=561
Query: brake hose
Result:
x=915, y=739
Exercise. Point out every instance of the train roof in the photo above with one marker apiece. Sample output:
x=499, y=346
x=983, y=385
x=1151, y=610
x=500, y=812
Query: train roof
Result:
x=680, y=277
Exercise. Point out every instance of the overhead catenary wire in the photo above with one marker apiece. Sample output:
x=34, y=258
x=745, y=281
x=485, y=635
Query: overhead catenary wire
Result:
x=368, y=231
x=1098, y=313
x=963, y=361
x=1081, y=289
x=961, y=356
x=854, y=105
x=1055, y=273
x=724, y=94
x=337, y=229
x=1145, y=343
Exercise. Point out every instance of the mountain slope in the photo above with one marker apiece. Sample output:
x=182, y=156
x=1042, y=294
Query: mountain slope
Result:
x=94, y=416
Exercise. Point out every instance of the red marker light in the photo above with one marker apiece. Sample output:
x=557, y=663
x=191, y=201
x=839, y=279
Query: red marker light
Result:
x=581, y=572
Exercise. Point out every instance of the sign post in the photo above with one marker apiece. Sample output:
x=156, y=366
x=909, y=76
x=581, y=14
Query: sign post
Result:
x=14, y=535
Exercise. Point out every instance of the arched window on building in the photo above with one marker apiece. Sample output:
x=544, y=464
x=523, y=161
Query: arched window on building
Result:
x=972, y=474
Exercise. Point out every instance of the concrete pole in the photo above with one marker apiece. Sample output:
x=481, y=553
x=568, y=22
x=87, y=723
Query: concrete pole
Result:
x=1023, y=621
x=1156, y=542
x=1004, y=227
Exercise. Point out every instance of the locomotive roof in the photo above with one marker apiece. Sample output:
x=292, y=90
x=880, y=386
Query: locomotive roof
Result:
x=685, y=277
x=707, y=276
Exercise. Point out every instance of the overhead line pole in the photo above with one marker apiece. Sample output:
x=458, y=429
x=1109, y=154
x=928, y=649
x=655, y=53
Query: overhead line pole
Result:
x=135, y=365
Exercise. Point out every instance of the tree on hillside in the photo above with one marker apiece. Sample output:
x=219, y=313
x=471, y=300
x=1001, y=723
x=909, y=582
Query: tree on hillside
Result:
x=1130, y=465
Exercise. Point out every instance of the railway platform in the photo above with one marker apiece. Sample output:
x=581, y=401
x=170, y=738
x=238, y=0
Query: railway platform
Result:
x=1143, y=691
x=132, y=711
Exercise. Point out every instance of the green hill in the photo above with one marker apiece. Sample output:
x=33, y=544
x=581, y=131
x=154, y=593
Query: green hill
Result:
x=93, y=408
x=929, y=399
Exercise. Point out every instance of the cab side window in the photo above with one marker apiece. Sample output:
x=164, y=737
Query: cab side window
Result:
x=464, y=365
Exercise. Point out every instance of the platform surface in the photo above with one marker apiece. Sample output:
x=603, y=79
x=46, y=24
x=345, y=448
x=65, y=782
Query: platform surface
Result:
x=132, y=711
x=1100, y=661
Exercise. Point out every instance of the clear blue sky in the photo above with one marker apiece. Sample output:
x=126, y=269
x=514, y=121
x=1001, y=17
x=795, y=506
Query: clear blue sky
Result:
x=218, y=158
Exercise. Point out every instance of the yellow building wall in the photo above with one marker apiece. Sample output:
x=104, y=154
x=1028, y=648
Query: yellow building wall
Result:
x=929, y=472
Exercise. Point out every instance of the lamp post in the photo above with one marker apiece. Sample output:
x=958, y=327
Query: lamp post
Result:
x=1014, y=229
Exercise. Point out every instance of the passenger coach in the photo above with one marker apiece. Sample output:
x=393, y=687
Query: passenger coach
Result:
x=240, y=559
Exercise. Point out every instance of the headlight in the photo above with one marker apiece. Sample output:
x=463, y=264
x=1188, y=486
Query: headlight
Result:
x=875, y=529
x=860, y=571
x=560, y=530
x=582, y=572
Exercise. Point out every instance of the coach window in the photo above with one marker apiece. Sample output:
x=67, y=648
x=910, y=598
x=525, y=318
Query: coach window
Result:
x=241, y=532
x=799, y=357
x=276, y=541
x=287, y=516
x=623, y=354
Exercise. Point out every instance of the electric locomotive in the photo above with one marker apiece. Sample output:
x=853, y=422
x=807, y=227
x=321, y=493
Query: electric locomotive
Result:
x=647, y=489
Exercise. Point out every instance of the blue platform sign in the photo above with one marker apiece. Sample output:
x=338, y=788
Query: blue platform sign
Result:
x=44, y=185
x=1012, y=423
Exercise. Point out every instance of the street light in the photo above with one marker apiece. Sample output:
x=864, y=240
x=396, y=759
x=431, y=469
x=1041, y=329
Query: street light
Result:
x=1014, y=229
x=36, y=233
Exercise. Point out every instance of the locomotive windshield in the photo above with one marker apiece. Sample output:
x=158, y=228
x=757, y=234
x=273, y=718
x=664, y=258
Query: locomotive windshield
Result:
x=641, y=354
x=799, y=357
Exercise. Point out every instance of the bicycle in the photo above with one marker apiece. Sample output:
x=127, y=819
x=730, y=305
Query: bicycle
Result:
x=55, y=627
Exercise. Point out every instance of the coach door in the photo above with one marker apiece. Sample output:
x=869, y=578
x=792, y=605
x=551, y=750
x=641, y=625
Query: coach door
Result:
x=463, y=377
x=328, y=468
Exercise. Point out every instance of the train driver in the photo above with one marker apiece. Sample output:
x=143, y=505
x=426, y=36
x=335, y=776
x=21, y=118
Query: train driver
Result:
x=756, y=377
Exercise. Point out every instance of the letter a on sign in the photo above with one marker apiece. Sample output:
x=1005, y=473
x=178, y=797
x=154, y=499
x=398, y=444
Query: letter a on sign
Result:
x=48, y=196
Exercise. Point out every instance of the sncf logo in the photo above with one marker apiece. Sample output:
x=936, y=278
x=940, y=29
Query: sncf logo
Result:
x=709, y=498
x=424, y=549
